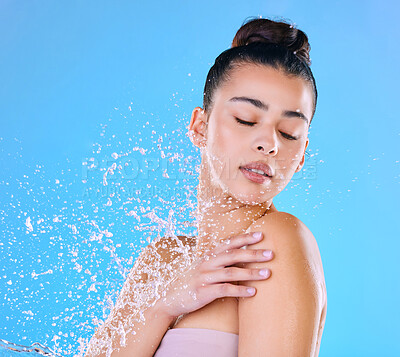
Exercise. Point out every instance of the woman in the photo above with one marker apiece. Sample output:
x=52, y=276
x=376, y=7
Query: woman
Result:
x=259, y=100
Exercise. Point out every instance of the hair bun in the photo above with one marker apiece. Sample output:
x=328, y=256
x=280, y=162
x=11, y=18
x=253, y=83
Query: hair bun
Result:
x=274, y=32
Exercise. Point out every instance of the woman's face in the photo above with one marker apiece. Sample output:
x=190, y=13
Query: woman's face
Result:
x=259, y=118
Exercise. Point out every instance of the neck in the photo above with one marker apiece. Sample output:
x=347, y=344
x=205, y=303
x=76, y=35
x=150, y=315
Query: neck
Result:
x=220, y=215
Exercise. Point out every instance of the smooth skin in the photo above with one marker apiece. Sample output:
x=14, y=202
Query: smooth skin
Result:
x=287, y=315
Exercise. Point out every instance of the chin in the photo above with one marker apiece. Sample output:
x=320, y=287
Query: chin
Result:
x=249, y=198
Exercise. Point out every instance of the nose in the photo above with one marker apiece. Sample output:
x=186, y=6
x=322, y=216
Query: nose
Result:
x=265, y=146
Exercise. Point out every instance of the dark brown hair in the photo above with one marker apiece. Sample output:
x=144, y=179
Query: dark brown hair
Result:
x=262, y=41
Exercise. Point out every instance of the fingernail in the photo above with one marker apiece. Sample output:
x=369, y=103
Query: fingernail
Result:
x=263, y=272
x=251, y=290
x=257, y=235
x=267, y=253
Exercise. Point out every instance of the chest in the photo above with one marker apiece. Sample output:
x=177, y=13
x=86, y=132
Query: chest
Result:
x=221, y=315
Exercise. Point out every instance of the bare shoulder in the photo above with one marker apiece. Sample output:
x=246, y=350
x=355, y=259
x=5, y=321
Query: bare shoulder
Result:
x=138, y=289
x=155, y=263
x=292, y=302
x=169, y=248
x=285, y=229
x=161, y=251
x=290, y=239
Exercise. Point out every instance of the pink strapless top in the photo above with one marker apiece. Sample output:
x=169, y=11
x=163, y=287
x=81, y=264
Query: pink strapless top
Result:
x=197, y=342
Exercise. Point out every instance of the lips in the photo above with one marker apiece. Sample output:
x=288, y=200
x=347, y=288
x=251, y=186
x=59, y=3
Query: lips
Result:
x=257, y=165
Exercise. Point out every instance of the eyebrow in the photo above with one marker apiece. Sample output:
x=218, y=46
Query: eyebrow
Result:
x=261, y=105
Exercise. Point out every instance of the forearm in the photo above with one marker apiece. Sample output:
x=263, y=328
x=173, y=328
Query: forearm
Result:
x=142, y=339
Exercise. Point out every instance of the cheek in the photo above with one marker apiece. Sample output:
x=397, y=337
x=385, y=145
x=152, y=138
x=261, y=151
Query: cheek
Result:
x=222, y=140
x=294, y=157
x=287, y=162
x=222, y=153
x=298, y=153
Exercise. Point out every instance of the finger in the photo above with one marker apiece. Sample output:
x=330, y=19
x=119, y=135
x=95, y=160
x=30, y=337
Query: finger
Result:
x=227, y=289
x=236, y=274
x=238, y=241
x=231, y=257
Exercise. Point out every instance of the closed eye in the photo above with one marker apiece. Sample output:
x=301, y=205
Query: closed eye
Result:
x=249, y=123
x=287, y=136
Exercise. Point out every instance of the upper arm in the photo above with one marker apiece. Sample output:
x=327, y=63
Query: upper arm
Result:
x=138, y=291
x=149, y=267
x=104, y=338
x=284, y=317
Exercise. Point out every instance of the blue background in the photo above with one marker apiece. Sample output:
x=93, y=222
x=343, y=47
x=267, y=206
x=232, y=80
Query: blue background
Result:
x=68, y=68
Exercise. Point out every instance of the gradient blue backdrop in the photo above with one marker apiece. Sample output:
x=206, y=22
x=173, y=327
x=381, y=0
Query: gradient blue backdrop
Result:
x=65, y=66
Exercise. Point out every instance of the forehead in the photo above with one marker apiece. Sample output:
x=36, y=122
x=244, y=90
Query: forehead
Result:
x=267, y=84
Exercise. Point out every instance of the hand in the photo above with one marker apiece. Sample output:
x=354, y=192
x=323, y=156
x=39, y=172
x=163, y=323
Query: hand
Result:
x=207, y=278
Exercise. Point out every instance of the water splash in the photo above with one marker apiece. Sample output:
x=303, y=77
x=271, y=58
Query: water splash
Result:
x=90, y=224
x=36, y=349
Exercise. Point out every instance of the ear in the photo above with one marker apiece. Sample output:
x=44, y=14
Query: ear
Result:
x=198, y=127
x=303, y=158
